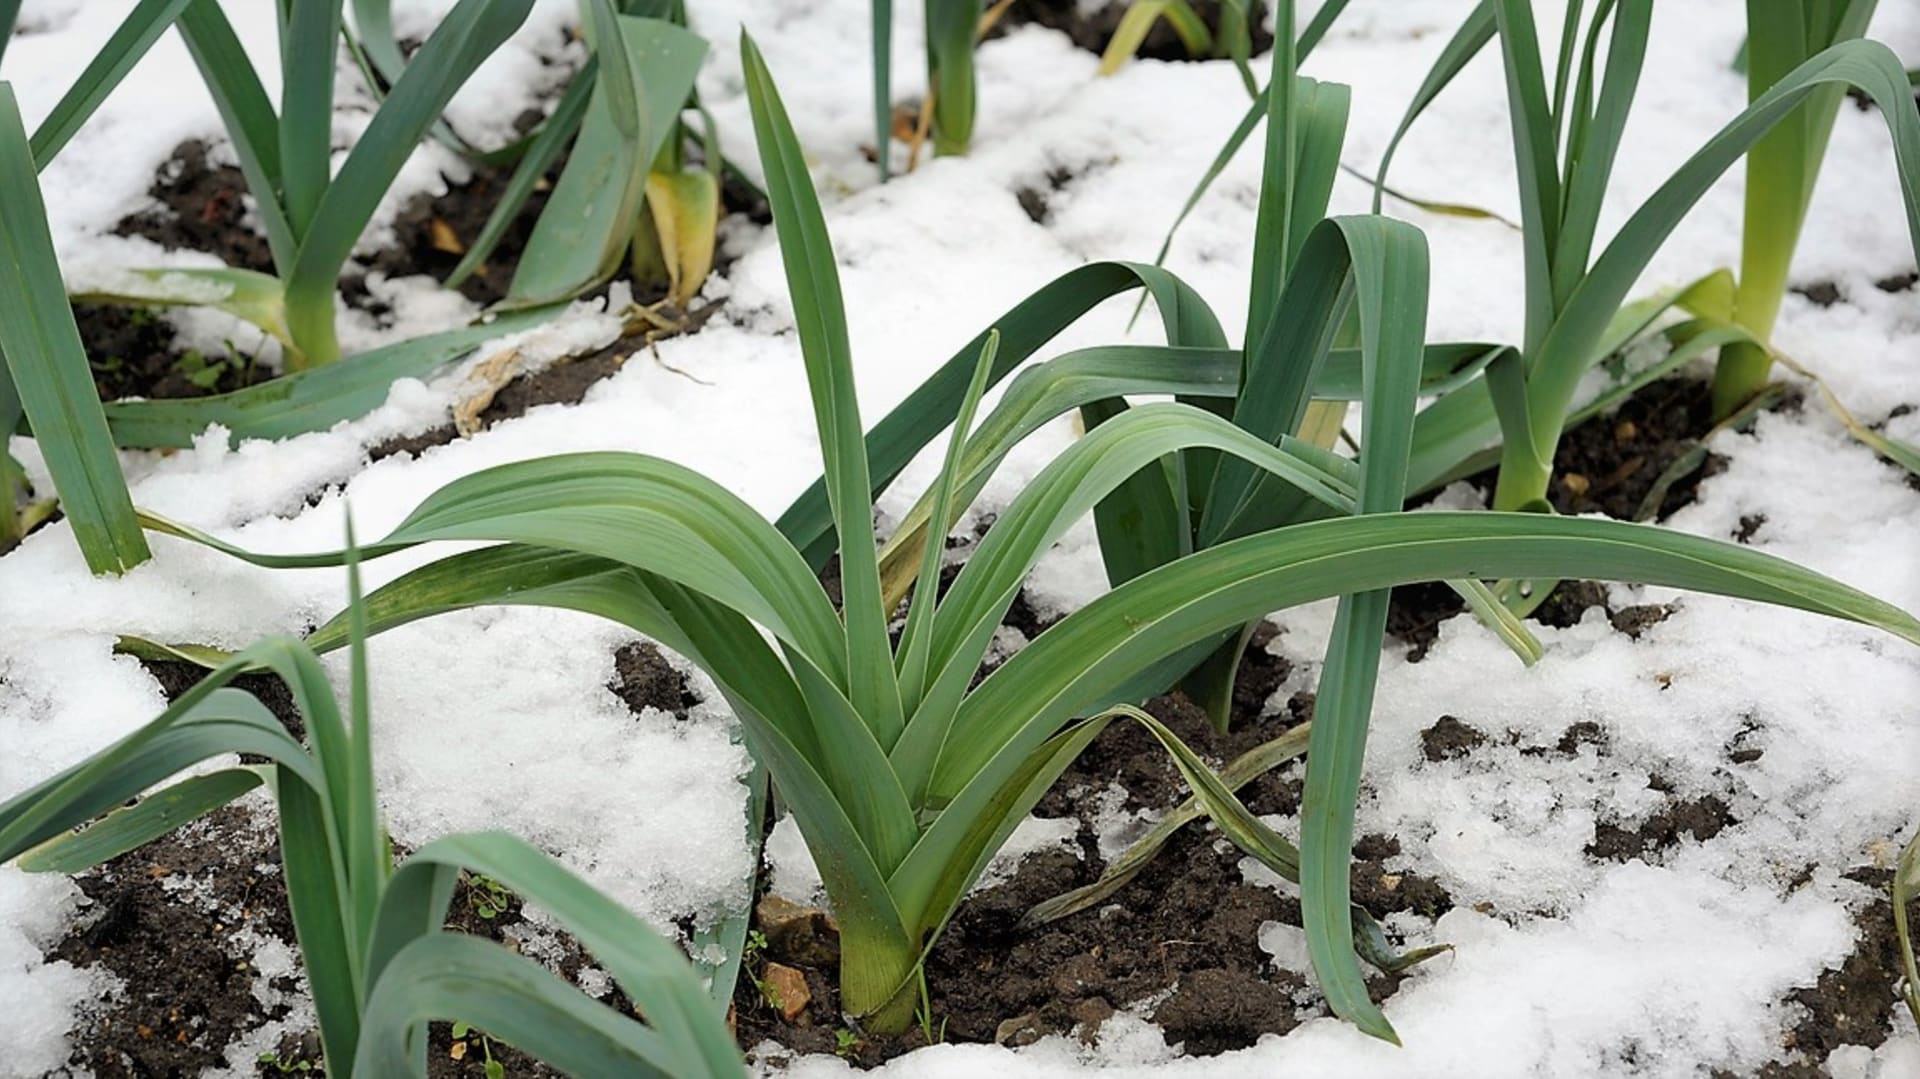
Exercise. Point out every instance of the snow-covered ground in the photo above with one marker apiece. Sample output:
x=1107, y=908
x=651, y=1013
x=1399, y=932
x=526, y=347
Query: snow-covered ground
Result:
x=1588, y=968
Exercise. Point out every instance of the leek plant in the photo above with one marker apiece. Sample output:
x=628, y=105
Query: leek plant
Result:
x=378, y=962
x=953, y=27
x=1194, y=500
x=47, y=388
x=1565, y=137
x=626, y=192
x=903, y=777
x=1781, y=170
x=311, y=215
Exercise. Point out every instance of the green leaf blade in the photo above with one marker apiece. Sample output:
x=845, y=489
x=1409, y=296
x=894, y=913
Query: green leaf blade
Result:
x=40, y=344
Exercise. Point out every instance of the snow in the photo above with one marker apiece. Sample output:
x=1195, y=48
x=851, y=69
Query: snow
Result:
x=499, y=718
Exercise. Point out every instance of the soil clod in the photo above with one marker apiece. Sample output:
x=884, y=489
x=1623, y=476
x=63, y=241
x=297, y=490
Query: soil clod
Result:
x=644, y=678
x=1702, y=818
x=1449, y=739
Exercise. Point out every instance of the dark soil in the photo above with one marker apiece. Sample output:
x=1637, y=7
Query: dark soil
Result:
x=1828, y=293
x=1184, y=934
x=1417, y=611
x=1449, y=738
x=1608, y=464
x=1849, y=1004
x=566, y=382
x=162, y=919
x=188, y=986
x=1036, y=200
x=1092, y=31
x=431, y=234
x=134, y=352
x=1853, y=1003
x=203, y=208
x=178, y=676
x=1702, y=818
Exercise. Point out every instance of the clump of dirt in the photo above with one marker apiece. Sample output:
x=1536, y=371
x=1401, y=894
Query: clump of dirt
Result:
x=1213, y=1009
x=1583, y=733
x=1181, y=939
x=1414, y=614
x=1568, y=603
x=1037, y=200
x=1702, y=818
x=1382, y=892
x=203, y=207
x=644, y=678
x=1639, y=618
x=1820, y=293
x=1091, y=26
x=1450, y=739
x=171, y=921
x=1740, y=748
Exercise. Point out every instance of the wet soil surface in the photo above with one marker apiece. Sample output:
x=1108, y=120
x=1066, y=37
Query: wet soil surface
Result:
x=1093, y=29
x=1180, y=942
